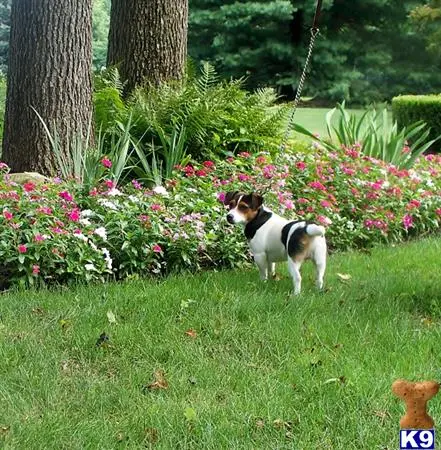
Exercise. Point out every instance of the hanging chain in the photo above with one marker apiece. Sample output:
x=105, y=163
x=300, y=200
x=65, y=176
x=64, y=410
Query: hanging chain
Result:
x=314, y=32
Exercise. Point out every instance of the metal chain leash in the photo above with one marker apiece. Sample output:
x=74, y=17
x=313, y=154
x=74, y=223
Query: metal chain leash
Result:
x=314, y=32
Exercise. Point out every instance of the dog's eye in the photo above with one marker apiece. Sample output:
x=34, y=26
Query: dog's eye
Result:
x=232, y=204
x=243, y=207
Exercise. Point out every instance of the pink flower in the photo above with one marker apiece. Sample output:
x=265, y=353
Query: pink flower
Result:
x=29, y=187
x=230, y=159
x=35, y=269
x=106, y=163
x=143, y=218
x=110, y=184
x=157, y=248
x=44, y=210
x=221, y=196
x=438, y=212
x=4, y=167
x=201, y=173
x=136, y=184
x=317, y=185
x=57, y=230
x=208, y=164
x=39, y=238
x=93, y=192
x=155, y=207
x=74, y=215
x=348, y=171
x=261, y=160
x=244, y=154
x=243, y=177
x=7, y=215
x=324, y=220
x=66, y=196
x=406, y=150
x=22, y=248
x=289, y=204
x=325, y=204
x=302, y=200
x=268, y=171
x=407, y=221
x=413, y=204
x=300, y=165
x=188, y=170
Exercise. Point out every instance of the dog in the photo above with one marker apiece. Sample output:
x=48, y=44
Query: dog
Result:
x=272, y=238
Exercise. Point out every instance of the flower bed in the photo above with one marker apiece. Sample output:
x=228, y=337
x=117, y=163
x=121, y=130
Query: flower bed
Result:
x=55, y=232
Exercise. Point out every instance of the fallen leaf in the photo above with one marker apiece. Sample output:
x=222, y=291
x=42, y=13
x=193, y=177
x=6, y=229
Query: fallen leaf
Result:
x=190, y=414
x=260, y=424
x=282, y=424
x=344, y=277
x=64, y=324
x=120, y=436
x=192, y=333
x=151, y=435
x=103, y=340
x=192, y=380
x=111, y=317
x=383, y=415
x=428, y=321
x=341, y=380
x=38, y=311
x=4, y=430
x=289, y=435
x=159, y=381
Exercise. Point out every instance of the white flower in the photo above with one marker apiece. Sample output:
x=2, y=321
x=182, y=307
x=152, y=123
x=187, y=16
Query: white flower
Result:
x=89, y=267
x=114, y=192
x=107, y=204
x=87, y=213
x=101, y=232
x=160, y=190
x=85, y=222
x=133, y=199
x=93, y=246
x=80, y=236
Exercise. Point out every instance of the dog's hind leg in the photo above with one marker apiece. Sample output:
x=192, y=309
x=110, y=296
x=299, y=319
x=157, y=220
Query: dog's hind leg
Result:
x=262, y=264
x=294, y=270
x=272, y=270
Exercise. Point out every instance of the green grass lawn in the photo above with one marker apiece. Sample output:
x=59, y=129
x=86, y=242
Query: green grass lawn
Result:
x=314, y=119
x=263, y=370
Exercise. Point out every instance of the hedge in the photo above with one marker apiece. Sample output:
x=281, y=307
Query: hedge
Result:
x=408, y=109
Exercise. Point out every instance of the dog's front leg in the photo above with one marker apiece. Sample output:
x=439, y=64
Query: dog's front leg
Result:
x=262, y=264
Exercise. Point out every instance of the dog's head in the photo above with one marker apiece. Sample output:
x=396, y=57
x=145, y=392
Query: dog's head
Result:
x=243, y=208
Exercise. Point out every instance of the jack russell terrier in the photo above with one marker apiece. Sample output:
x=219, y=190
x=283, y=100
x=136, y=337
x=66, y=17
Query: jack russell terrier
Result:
x=273, y=239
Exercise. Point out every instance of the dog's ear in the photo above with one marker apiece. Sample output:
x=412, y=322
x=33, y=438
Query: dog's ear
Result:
x=256, y=200
x=230, y=196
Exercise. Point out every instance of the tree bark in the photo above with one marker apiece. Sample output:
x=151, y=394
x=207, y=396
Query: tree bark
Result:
x=148, y=40
x=50, y=69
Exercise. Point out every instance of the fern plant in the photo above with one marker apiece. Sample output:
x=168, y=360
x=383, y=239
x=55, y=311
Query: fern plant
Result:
x=218, y=116
x=378, y=137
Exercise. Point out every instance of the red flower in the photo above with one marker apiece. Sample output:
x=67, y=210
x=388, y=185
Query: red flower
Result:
x=35, y=269
x=157, y=248
x=22, y=248
x=201, y=173
x=300, y=165
x=66, y=196
x=7, y=215
x=208, y=164
x=29, y=187
x=106, y=163
x=74, y=215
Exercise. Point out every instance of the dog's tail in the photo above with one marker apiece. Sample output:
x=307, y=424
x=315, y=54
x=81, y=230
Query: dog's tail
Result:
x=315, y=230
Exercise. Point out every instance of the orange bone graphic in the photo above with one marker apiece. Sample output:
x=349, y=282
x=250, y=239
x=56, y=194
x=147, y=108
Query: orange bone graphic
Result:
x=416, y=396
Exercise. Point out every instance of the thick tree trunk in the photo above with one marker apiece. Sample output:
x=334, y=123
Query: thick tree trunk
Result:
x=148, y=40
x=50, y=69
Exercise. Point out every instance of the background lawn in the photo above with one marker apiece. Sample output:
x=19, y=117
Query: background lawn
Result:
x=257, y=370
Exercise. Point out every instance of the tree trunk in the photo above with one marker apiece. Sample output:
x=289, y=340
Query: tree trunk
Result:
x=50, y=69
x=148, y=40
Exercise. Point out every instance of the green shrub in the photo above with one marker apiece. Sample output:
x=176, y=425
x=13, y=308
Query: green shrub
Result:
x=219, y=117
x=408, y=109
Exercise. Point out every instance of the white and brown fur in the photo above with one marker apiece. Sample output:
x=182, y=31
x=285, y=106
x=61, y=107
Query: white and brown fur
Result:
x=274, y=239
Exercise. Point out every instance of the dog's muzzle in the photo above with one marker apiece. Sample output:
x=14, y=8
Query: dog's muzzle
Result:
x=230, y=218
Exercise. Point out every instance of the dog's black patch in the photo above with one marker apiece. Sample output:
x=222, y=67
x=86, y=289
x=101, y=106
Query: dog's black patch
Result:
x=285, y=230
x=252, y=227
